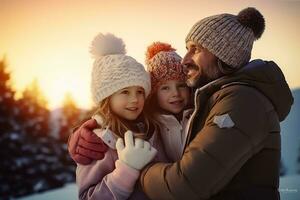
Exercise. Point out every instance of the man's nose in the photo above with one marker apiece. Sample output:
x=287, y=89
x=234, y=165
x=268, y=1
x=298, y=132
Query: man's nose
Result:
x=186, y=61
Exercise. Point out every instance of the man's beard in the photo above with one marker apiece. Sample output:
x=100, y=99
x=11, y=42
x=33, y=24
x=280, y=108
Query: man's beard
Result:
x=197, y=82
x=204, y=78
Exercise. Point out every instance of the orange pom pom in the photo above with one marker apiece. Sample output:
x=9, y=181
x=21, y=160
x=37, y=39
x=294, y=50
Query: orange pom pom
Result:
x=157, y=47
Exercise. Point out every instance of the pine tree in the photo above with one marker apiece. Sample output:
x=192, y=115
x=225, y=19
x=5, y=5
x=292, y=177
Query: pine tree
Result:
x=29, y=164
x=70, y=116
x=7, y=101
x=34, y=114
x=10, y=137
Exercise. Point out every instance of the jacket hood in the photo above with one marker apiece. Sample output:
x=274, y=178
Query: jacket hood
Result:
x=266, y=77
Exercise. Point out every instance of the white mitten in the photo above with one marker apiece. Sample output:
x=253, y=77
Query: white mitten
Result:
x=135, y=154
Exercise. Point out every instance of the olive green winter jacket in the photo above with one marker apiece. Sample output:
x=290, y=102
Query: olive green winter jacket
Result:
x=233, y=143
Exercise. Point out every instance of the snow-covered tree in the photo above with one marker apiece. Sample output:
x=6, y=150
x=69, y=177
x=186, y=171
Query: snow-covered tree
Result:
x=7, y=101
x=29, y=163
x=33, y=111
x=70, y=116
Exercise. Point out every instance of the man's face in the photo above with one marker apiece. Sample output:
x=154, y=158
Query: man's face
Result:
x=200, y=65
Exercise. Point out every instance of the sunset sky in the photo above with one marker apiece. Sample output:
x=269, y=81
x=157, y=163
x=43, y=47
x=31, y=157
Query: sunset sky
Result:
x=49, y=39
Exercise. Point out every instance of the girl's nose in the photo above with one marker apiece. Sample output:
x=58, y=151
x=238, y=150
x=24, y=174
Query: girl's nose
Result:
x=175, y=92
x=133, y=98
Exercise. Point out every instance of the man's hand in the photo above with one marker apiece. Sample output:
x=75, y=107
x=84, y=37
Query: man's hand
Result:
x=85, y=146
x=136, y=153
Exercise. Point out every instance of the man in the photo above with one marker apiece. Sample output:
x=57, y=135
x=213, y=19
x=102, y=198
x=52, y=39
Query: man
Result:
x=232, y=146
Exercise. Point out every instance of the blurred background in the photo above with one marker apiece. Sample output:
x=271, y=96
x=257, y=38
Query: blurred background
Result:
x=45, y=69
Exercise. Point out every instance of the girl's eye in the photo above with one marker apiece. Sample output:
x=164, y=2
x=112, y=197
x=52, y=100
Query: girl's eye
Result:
x=125, y=92
x=183, y=85
x=164, y=88
x=140, y=92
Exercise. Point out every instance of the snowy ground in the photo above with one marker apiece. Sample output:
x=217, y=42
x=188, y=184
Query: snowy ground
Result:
x=289, y=190
x=290, y=187
x=68, y=192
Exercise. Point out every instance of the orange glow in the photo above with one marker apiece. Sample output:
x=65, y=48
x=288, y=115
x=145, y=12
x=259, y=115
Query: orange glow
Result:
x=49, y=40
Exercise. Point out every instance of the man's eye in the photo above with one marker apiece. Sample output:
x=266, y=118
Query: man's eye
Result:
x=192, y=49
x=198, y=50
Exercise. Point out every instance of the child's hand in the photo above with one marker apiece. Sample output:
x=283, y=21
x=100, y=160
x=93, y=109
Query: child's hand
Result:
x=136, y=153
x=84, y=146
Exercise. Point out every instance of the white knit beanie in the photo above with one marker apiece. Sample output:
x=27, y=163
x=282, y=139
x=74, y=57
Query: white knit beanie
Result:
x=113, y=70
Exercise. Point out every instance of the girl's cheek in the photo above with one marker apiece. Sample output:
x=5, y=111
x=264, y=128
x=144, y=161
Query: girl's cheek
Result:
x=142, y=99
x=187, y=96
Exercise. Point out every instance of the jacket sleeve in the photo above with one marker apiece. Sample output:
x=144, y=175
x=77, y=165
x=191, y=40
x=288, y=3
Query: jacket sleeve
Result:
x=216, y=154
x=106, y=179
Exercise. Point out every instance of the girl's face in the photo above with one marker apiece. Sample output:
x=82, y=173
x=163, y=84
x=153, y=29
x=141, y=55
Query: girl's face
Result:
x=128, y=103
x=173, y=96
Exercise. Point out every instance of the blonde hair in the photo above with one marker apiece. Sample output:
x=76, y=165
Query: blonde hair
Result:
x=117, y=126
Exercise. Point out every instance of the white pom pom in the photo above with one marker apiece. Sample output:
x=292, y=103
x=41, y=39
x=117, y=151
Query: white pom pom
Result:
x=107, y=44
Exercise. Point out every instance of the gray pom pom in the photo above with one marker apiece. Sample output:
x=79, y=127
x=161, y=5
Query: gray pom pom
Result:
x=252, y=18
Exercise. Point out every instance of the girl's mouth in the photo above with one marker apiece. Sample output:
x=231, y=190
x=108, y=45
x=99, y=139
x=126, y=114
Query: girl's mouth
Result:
x=132, y=109
x=178, y=102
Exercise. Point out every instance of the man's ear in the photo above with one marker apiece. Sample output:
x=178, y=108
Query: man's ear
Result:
x=225, y=68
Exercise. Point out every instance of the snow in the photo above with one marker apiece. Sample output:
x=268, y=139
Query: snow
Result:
x=14, y=136
x=39, y=185
x=290, y=187
x=289, y=190
x=54, y=122
x=290, y=137
x=69, y=192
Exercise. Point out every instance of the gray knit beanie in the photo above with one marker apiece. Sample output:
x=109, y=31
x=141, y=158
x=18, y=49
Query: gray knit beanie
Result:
x=229, y=37
x=113, y=70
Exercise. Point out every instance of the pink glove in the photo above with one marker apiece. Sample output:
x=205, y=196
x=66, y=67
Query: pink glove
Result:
x=85, y=146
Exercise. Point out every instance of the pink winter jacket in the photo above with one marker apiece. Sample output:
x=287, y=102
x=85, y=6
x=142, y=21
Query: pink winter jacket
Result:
x=109, y=178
